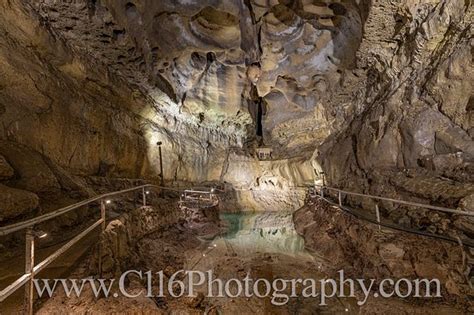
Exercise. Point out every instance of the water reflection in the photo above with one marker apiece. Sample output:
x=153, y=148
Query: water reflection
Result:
x=270, y=232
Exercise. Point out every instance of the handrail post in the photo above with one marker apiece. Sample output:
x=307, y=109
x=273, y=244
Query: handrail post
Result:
x=103, y=226
x=321, y=191
x=377, y=213
x=102, y=214
x=144, y=196
x=29, y=269
x=340, y=199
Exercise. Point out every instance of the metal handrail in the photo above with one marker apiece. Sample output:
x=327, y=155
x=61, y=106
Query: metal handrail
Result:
x=397, y=227
x=48, y=216
x=415, y=204
x=189, y=194
x=199, y=196
x=30, y=268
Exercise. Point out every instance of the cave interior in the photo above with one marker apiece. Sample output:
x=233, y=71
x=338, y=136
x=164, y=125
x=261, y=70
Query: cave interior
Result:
x=285, y=138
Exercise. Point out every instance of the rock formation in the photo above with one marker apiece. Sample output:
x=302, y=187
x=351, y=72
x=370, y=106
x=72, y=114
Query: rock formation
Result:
x=372, y=96
x=375, y=94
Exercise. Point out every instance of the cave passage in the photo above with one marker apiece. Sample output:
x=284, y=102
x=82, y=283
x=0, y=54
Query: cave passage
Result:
x=288, y=138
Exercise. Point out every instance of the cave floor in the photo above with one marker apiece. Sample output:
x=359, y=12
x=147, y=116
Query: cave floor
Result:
x=13, y=268
x=265, y=245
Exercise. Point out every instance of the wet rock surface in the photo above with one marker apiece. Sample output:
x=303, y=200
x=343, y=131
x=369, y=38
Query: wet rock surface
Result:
x=203, y=220
x=148, y=238
x=362, y=250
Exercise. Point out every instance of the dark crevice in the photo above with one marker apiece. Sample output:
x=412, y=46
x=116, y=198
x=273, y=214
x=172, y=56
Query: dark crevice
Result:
x=257, y=111
x=470, y=104
x=259, y=124
x=163, y=84
x=249, y=42
x=91, y=7
x=211, y=57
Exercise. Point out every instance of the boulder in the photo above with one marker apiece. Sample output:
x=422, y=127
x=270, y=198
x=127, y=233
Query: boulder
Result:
x=194, y=301
x=463, y=223
x=6, y=171
x=467, y=203
x=15, y=202
x=33, y=173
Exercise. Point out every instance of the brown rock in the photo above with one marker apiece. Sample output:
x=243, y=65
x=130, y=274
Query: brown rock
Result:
x=6, y=171
x=391, y=251
x=465, y=224
x=213, y=311
x=194, y=301
x=169, y=271
x=33, y=173
x=108, y=264
x=428, y=270
x=467, y=203
x=15, y=202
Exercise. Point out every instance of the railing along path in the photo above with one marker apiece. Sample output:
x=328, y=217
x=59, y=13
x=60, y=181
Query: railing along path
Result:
x=31, y=269
x=341, y=193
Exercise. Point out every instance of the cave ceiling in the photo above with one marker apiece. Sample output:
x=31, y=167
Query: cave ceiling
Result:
x=218, y=62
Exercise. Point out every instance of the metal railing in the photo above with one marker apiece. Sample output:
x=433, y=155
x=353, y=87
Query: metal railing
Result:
x=341, y=192
x=30, y=268
x=199, y=198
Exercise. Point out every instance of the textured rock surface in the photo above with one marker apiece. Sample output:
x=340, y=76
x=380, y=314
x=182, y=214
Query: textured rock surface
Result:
x=213, y=61
x=6, y=171
x=122, y=234
x=383, y=254
x=377, y=94
x=364, y=90
x=15, y=202
x=412, y=132
x=33, y=172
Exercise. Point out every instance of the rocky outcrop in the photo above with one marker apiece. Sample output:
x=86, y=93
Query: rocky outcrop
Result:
x=364, y=251
x=118, y=241
x=16, y=202
x=411, y=136
x=362, y=90
x=202, y=219
x=33, y=174
x=466, y=224
x=6, y=171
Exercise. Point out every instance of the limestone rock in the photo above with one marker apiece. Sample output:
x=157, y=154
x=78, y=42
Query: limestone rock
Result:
x=33, y=173
x=360, y=90
x=16, y=202
x=467, y=203
x=6, y=171
x=378, y=254
x=195, y=301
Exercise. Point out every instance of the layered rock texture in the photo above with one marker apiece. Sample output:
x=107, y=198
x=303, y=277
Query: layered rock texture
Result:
x=361, y=250
x=377, y=94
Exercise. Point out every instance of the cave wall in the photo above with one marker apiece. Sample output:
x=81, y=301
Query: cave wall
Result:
x=64, y=117
x=86, y=118
x=412, y=133
x=201, y=61
x=415, y=113
x=376, y=94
